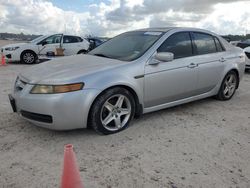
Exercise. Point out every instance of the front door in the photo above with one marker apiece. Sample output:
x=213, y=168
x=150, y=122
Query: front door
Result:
x=171, y=81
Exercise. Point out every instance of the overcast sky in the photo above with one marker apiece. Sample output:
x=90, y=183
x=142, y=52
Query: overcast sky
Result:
x=111, y=17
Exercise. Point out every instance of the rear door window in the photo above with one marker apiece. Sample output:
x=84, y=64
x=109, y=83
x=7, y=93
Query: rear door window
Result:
x=70, y=39
x=179, y=44
x=204, y=43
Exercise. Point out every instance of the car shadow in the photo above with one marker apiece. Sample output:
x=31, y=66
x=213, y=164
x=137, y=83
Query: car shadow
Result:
x=21, y=63
x=89, y=132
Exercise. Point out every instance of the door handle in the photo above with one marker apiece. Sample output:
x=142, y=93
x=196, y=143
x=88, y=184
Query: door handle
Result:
x=192, y=65
x=222, y=59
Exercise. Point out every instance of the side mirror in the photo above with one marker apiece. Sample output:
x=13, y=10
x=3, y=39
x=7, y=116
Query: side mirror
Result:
x=164, y=56
x=44, y=43
x=161, y=57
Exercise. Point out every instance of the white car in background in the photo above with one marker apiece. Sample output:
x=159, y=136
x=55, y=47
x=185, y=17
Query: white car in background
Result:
x=247, y=52
x=234, y=42
x=29, y=52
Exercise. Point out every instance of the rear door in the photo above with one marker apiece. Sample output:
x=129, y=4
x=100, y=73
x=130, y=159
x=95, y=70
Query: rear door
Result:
x=175, y=80
x=210, y=58
x=71, y=44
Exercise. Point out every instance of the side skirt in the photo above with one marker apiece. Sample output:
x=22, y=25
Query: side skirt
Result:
x=182, y=101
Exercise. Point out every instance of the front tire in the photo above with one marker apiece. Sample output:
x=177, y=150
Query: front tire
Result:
x=28, y=57
x=112, y=111
x=228, y=86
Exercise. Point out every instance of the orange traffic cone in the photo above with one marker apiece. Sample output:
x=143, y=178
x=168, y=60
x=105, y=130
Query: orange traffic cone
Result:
x=71, y=176
x=3, y=61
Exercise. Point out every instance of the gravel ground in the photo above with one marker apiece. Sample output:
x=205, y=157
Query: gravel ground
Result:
x=199, y=144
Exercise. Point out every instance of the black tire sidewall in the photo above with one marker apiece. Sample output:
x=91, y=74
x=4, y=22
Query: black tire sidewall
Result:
x=97, y=107
x=221, y=95
x=82, y=52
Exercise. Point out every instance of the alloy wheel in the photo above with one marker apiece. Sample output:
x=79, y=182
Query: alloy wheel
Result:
x=115, y=112
x=28, y=57
x=229, y=85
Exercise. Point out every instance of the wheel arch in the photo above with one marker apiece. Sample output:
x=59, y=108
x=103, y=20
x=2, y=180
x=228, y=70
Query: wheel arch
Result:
x=238, y=76
x=138, y=106
x=28, y=50
x=82, y=50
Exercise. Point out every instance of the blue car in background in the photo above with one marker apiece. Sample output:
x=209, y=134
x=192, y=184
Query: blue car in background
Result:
x=95, y=41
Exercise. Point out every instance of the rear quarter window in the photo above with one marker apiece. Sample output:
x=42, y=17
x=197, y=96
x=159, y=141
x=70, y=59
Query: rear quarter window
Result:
x=71, y=39
x=218, y=44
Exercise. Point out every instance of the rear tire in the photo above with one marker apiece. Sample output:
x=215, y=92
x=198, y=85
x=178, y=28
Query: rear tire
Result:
x=228, y=86
x=28, y=57
x=82, y=52
x=112, y=111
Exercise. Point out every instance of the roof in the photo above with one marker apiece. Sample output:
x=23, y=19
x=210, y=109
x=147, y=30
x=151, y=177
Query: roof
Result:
x=166, y=29
x=157, y=29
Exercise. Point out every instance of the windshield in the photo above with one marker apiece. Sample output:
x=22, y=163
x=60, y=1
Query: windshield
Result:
x=38, y=39
x=127, y=46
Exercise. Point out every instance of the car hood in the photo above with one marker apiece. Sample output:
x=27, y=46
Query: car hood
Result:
x=67, y=69
x=14, y=45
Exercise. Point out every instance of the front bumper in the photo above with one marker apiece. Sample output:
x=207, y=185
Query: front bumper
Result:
x=10, y=56
x=247, y=63
x=63, y=111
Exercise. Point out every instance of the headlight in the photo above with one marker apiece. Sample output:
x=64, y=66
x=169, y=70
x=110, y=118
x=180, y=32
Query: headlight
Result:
x=52, y=89
x=11, y=48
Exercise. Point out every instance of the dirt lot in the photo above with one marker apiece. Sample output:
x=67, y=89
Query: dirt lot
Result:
x=200, y=144
x=5, y=42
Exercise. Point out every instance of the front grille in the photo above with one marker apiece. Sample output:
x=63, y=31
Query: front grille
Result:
x=248, y=55
x=37, y=117
x=19, y=84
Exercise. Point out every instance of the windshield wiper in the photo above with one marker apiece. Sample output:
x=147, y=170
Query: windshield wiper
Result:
x=101, y=55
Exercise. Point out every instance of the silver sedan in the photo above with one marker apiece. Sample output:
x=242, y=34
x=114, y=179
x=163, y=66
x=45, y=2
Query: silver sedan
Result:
x=134, y=73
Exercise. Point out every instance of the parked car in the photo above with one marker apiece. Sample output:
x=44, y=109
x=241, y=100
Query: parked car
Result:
x=234, y=42
x=29, y=52
x=228, y=39
x=94, y=42
x=134, y=73
x=247, y=52
x=244, y=44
